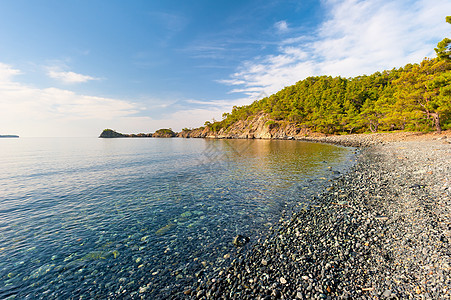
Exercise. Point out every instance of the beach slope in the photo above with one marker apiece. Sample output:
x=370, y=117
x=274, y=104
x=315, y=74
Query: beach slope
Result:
x=381, y=231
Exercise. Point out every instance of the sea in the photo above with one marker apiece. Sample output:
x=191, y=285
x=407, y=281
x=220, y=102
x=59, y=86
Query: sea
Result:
x=132, y=218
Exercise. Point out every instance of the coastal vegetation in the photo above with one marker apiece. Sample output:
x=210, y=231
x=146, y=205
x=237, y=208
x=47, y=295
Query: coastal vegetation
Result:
x=109, y=133
x=416, y=97
x=164, y=133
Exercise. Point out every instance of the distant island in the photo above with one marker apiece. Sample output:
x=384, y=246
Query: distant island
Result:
x=9, y=136
x=161, y=133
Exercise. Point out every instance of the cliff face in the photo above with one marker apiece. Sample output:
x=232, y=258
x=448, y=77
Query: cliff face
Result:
x=258, y=127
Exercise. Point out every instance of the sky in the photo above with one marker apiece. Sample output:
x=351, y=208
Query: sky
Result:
x=76, y=67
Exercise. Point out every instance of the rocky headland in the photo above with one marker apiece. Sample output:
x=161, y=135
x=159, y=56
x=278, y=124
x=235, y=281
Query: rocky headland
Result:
x=164, y=133
x=161, y=133
x=381, y=231
x=259, y=127
x=263, y=127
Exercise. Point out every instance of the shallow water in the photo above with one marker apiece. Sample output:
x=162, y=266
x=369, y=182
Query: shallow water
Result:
x=99, y=218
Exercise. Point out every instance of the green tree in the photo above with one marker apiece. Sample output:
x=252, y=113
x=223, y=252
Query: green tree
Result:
x=443, y=49
x=425, y=88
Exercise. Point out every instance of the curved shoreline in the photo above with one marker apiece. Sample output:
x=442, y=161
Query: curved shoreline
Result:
x=381, y=231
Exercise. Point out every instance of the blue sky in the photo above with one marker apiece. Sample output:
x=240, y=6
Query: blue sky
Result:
x=77, y=67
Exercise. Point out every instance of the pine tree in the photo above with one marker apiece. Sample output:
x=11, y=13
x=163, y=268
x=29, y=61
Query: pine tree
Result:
x=443, y=49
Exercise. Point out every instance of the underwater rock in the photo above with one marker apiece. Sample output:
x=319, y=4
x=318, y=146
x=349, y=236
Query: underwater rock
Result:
x=186, y=214
x=240, y=240
x=165, y=229
x=42, y=270
x=95, y=255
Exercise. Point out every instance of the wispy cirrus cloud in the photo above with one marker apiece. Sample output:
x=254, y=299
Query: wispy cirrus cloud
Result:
x=69, y=77
x=359, y=37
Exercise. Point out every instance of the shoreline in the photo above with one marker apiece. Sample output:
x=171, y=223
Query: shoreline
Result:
x=380, y=231
x=381, y=138
x=358, y=140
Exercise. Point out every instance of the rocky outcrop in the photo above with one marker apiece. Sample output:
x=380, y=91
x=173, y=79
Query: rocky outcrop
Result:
x=164, y=133
x=263, y=127
x=109, y=133
x=140, y=135
x=259, y=127
x=201, y=132
x=160, y=133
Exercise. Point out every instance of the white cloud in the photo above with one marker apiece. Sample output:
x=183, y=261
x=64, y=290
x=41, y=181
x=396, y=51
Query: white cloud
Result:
x=359, y=37
x=30, y=111
x=281, y=26
x=33, y=111
x=70, y=77
x=7, y=72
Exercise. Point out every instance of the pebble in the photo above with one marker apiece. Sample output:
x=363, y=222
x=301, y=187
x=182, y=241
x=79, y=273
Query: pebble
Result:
x=387, y=293
x=375, y=243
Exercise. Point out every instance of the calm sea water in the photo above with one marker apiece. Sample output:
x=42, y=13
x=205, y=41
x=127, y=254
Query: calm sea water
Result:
x=84, y=218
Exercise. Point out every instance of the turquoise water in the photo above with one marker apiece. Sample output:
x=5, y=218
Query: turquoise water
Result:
x=85, y=218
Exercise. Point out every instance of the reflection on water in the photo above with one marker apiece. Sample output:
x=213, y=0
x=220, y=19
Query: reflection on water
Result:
x=130, y=217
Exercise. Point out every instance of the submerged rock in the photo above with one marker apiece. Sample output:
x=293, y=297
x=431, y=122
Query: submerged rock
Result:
x=186, y=214
x=165, y=229
x=96, y=255
x=42, y=270
x=240, y=240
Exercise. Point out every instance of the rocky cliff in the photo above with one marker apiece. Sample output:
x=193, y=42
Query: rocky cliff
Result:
x=259, y=127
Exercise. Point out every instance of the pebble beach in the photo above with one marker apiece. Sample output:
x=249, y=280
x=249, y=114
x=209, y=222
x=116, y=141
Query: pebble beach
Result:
x=380, y=231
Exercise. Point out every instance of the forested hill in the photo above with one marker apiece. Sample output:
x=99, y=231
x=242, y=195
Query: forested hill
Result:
x=416, y=97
